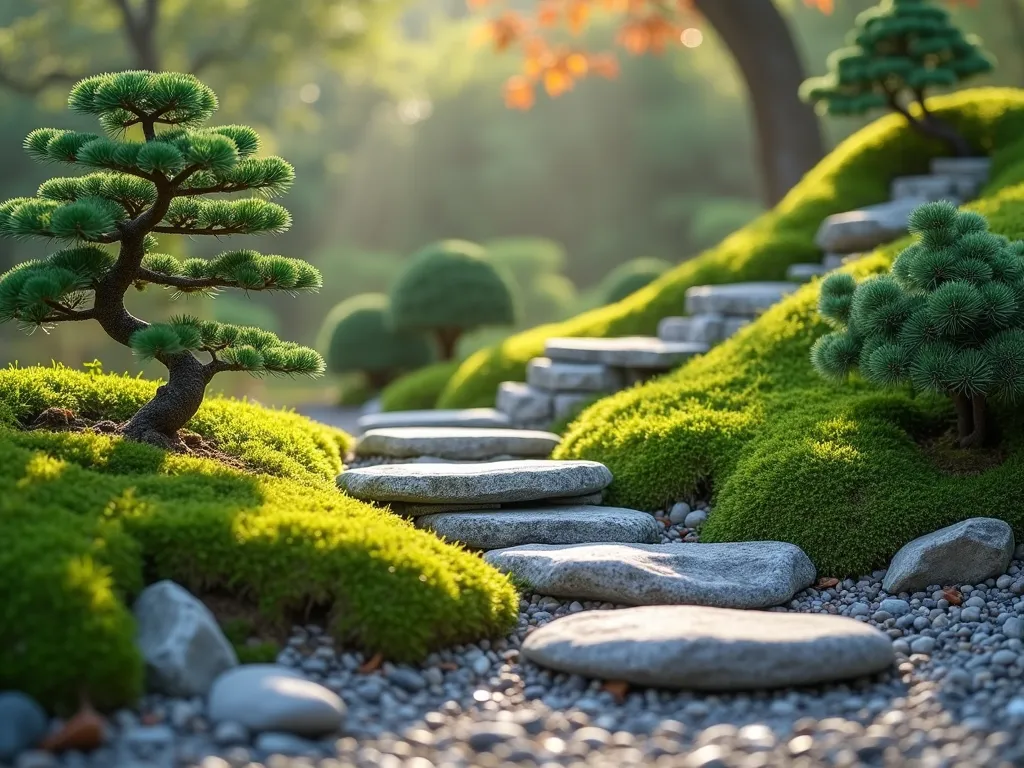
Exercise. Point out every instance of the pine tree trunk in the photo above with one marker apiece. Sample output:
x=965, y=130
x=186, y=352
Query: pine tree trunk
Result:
x=964, y=417
x=788, y=134
x=379, y=379
x=939, y=129
x=175, y=402
x=447, y=339
x=971, y=421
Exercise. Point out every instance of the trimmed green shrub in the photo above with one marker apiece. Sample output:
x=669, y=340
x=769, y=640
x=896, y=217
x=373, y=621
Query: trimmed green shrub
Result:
x=856, y=173
x=534, y=265
x=450, y=288
x=137, y=190
x=418, y=390
x=947, y=320
x=357, y=336
x=88, y=518
x=629, y=277
x=901, y=49
x=848, y=472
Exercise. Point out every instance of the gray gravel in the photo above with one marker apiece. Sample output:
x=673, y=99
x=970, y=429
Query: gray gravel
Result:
x=955, y=700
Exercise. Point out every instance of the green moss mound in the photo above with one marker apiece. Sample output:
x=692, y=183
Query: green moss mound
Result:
x=856, y=173
x=86, y=519
x=420, y=389
x=848, y=472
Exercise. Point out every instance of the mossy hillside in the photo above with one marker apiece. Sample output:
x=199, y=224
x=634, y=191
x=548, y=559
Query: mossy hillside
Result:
x=419, y=389
x=838, y=469
x=87, y=519
x=856, y=173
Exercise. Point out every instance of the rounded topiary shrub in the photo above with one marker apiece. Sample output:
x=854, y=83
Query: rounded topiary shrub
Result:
x=357, y=336
x=630, y=277
x=450, y=288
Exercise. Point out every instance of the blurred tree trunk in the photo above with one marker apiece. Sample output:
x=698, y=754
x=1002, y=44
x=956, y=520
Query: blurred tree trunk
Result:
x=788, y=136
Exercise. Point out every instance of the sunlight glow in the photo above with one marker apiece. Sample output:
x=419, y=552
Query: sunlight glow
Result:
x=691, y=37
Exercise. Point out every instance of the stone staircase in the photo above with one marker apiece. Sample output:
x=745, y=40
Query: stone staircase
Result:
x=845, y=236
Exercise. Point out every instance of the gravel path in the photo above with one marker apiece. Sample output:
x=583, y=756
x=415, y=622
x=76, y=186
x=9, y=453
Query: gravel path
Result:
x=954, y=701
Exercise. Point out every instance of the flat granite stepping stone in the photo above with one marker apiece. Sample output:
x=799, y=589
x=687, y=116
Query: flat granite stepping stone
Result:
x=460, y=417
x=457, y=443
x=544, y=373
x=497, y=528
x=745, y=299
x=710, y=649
x=523, y=404
x=416, y=510
x=755, y=574
x=478, y=483
x=865, y=229
x=624, y=351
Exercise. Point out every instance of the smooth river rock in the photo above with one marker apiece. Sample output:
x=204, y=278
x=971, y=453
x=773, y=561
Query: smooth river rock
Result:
x=624, y=351
x=965, y=553
x=271, y=697
x=457, y=443
x=483, y=482
x=460, y=417
x=498, y=528
x=755, y=574
x=710, y=649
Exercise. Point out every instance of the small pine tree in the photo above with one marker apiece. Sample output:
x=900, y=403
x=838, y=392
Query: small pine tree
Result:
x=448, y=289
x=629, y=277
x=948, y=319
x=899, y=50
x=358, y=338
x=110, y=217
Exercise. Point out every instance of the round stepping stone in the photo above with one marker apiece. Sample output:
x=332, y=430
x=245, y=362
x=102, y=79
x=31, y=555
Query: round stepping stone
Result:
x=710, y=649
x=483, y=482
x=456, y=443
x=623, y=352
x=755, y=574
x=497, y=528
x=462, y=417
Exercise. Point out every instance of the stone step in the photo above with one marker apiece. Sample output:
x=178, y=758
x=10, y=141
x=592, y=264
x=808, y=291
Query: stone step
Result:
x=500, y=528
x=744, y=299
x=710, y=649
x=635, y=352
x=456, y=443
x=478, y=483
x=836, y=260
x=742, y=575
x=523, y=404
x=709, y=328
x=865, y=229
x=464, y=417
x=804, y=273
x=545, y=373
x=977, y=168
x=932, y=187
x=417, y=510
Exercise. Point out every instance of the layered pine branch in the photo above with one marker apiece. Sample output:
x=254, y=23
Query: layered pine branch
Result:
x=176, y=180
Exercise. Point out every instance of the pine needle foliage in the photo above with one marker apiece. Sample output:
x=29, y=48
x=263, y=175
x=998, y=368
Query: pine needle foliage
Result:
x=948, y=319
x=107, y=220
x=899, y=50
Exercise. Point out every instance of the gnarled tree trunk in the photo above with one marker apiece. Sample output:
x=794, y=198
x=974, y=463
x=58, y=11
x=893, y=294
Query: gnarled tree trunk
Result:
x=788, y=135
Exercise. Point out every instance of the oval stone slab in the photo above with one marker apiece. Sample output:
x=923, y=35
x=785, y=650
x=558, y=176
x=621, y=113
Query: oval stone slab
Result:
x=496, y=528
x=460, y=417
x=756, y=574
x=457, y=443
x=484, y=482
x=710, y=649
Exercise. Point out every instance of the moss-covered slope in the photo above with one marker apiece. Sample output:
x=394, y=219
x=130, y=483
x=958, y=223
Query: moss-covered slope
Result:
x=87, y=519
x=856, y=173
x=846, y=471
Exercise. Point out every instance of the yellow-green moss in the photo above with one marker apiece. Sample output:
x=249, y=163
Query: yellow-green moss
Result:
x=856, y=173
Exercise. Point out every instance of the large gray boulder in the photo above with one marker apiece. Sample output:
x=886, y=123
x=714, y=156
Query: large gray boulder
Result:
x=181, y=643
x=755, y=574
x=460, y=417
x=710, y=649
x=498, y=528
x=456, y=443
x=271, y=697
x=479, y=483
x=623, y=352
x=965, y=553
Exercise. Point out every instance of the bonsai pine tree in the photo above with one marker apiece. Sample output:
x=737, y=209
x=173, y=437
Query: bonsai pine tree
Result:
x=899, y=50
x=948, y=319
x=630, y=277
x=450, y=288
x=108, y=220
x=358, y=338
